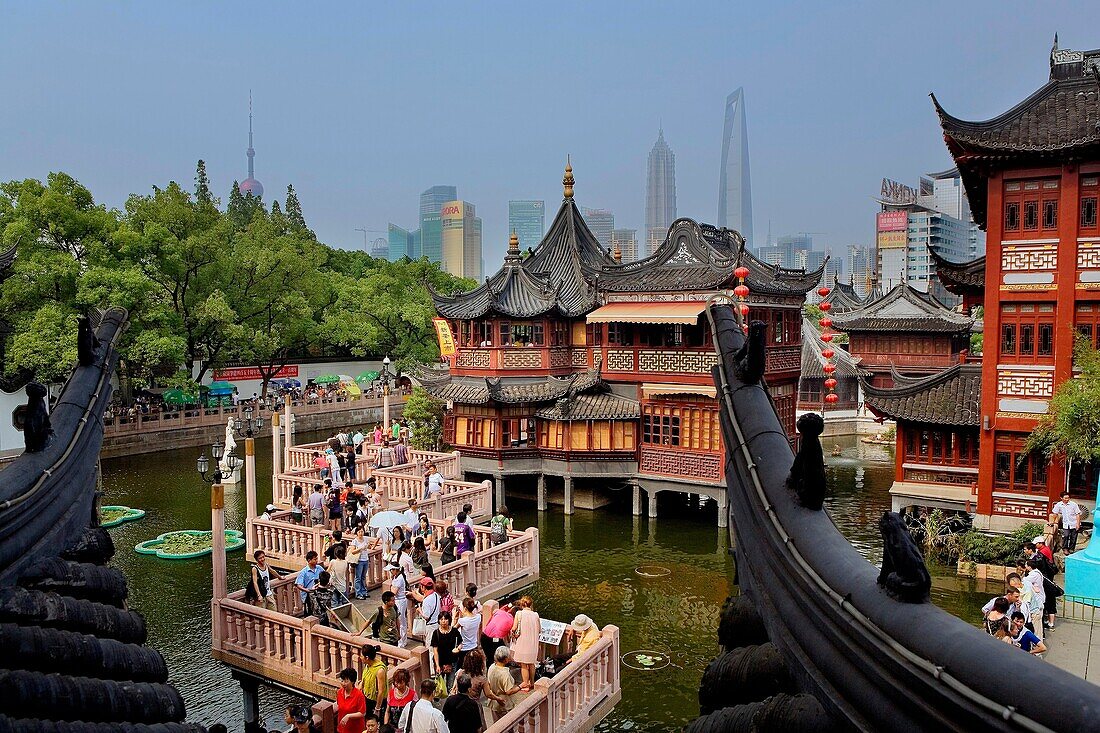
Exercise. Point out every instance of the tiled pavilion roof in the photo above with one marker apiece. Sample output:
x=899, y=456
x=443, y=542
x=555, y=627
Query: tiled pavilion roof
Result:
x=592, y=407
x=903, y=309
x=812, y=360
x=951, y=397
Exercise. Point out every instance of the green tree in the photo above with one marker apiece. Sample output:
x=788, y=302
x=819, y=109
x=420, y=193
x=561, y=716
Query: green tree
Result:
x=242, y=207
x=1071, y=427
x=424, y=414
x=202, y=185
x=294, y=211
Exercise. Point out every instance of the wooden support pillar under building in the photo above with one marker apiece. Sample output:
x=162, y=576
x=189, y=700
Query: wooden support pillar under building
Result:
x=498, y=491
x=568, y=481
x=653, y=504
x=542, y=492
x=637, y=500
x=723, y=509
x=250, y=697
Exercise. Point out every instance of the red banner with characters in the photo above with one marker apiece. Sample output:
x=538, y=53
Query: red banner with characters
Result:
x=243, y=374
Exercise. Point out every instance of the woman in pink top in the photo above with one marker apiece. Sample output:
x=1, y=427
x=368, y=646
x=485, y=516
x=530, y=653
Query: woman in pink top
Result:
x=525, y=645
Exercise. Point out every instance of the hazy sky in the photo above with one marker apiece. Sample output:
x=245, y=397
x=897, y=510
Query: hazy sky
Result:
x=361, y=109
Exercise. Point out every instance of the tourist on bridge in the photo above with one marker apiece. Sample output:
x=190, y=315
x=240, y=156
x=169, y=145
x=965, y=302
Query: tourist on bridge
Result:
x=308, y=576
x=401, y=695
x=412, y=517
x=429, y=610
x=359, y=558
x=299, y=508
x=464, y=535
x=469, y=627
x=374, y=682
x=419, y=553
x=473, y=666
x=423, y=717
x=461, y=710
x=395, y=431
x=317, y=507
x=502, y=686
x=400, y=453
x=338, y=568
x=586, y=632
x=1019, y=635
x=335, y=540
x=424, y=531
x=447, y=546
x=349, y=460
x=500, y=525
x=385, y=625
x=333, y=465
x=377, y=436
x=433, y=481
x=268, y=511
x=351, y=704
x=303, y=719
x=525, y=640
x=321, y=464
x=319, y=598
x=259, y=591
x=399, y=585
x=385, y=456
x=335, y=507
x=445, y=645
x=1068, y=513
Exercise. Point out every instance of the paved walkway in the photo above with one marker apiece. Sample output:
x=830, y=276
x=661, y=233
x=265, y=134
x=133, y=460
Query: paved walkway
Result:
x=1075, y=647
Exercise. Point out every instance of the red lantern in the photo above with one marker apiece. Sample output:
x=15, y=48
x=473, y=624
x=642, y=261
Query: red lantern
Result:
x=828, y=353
x=826, y=337
x=741, y=272
x=831, y=398
x=830, y=383
x=741, y=291
x=826, y=322
x=828, y=368
x=826, y=306
x=823, y=292
x=744, y=309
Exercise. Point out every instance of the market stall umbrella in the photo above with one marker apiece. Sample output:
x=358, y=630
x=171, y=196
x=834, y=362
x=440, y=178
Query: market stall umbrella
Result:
x=367, y=376
x=353, y=389
x=346, y=378
x=327, y=379
x=179, y=397
x=221, y=389
x=386, y=520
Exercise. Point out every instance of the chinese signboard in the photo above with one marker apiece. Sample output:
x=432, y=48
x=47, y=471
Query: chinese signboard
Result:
x=891, y=240
x=242, y=374
x=446, y=338
x=893, y=221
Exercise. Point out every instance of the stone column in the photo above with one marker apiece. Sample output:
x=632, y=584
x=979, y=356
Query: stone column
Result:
x=542, y=492
x=498, y=491
x=276, y=445
x=723, y=509
x=250, y=697
x=217, y=526
x=568, y=494
x=637, y=490
x=653, y=504
x=288, y=428
x=250, y=479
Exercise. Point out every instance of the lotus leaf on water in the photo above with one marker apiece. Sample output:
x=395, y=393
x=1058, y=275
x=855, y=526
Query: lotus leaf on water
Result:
x=188, y=543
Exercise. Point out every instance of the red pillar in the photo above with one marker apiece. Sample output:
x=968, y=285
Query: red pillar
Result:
x=1065, y=306
x=991, y=346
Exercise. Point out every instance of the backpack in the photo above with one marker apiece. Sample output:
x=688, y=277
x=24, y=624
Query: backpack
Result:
x=499, y=529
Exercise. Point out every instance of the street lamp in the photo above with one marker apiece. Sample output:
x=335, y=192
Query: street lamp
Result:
x=250, y=425
x=202, y=465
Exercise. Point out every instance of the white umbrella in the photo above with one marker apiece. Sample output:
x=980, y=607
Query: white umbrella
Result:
x=387, y=520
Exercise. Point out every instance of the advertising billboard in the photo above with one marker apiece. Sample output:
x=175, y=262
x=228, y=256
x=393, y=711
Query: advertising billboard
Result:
x=242, y=374
x=891, y=240
x=893, y=221
x=452, y=210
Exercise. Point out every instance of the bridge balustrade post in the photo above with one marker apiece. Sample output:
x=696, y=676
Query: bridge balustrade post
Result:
x=534, y=533
x=217, y=540
x=276, y=444
x=250, y=478
x=288, y=427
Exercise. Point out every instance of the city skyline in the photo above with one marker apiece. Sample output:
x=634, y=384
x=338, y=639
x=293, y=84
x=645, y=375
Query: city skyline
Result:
x=660, y=193
x=734, y=180
x=355, y=169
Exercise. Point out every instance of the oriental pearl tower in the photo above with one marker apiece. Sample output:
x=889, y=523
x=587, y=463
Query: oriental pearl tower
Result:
x=250, y=185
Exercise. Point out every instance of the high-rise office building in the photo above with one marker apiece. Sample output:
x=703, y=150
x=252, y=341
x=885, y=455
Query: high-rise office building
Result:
x=734, y=184
x=861, y=266
x=626, y=240
x=431, y=231
x=601, y=222
x=660, y=193
x=399, y=243
x=380, y=248
x=943, y=191
x=528, y=220
x=461, y=230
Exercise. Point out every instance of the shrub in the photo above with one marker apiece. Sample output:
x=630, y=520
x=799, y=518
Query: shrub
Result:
x=978, y=547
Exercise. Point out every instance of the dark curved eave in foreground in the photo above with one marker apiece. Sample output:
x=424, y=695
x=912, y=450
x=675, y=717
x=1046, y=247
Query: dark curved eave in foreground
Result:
x=950, y=397
x=873, y=662
x=960, y=278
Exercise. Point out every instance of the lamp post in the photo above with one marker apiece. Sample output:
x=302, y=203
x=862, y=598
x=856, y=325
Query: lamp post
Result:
x=217, y=513
x=386, y=375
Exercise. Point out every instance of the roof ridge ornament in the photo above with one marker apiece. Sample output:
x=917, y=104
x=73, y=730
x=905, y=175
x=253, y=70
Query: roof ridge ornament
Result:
x=568, y=180
x=514, y=256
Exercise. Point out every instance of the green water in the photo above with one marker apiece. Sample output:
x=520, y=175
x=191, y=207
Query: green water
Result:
x=588, y=565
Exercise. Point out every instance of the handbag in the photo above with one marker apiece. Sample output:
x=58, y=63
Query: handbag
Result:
x=420, y=626
x=441, y=690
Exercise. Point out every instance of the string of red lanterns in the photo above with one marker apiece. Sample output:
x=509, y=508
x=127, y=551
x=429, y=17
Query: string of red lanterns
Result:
x=829, y=366
x=742, y=293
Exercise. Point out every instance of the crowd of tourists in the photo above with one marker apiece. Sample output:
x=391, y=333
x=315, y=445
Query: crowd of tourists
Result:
x=1027, y=611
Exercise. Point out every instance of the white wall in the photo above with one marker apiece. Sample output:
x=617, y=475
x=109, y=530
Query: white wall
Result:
x=306, y=372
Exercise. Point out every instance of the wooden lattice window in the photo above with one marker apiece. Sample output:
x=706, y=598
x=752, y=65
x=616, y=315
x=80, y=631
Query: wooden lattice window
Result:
x=1012, y=216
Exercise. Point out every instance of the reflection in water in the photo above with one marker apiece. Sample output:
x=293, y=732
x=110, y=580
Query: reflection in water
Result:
x=588, y=563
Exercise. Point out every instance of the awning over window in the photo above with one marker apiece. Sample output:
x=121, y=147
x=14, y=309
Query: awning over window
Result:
x=686, y=313
x=651, y=390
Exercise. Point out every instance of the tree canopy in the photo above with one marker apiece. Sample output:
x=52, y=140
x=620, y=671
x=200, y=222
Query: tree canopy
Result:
x=204, y=286
x=1071, y=427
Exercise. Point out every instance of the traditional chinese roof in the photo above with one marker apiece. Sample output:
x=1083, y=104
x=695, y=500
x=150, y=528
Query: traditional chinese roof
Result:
x=842, y=297
x=1057, y=122
x=7, y=259
x=900, y=379
x=592, y=407
x=550, y=279
x=950, y=397
x=812, y=360
x=510, y=390
x=686, y=260
x=960, y=278
x=903, y=309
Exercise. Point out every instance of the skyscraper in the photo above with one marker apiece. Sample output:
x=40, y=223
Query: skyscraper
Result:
x=461, y=230
x=250, y=185
x=399, y=243
x=627, y=242
x=861, y=265
x=528, y=220
x=431, y=231
x=734, y=185
x=660, y=193
x=601, y=222
x=380, y=248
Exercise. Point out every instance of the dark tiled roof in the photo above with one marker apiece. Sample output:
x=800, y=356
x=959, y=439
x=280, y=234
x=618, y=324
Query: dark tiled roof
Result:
x=1058, y=121
x=900, y=379
x=7, y=259
x=843, y=298
x=592, y=407
x=686, y=260
x=812, y=360
x=951, y=397
x=903, y=309
x=73, y=653
x=550, y=279
x=960, y=278
x=480, y=391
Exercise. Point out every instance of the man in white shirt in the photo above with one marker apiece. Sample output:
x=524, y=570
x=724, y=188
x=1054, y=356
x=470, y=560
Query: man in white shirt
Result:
x=1070, y=514
x=412, y=517
x=425, y=717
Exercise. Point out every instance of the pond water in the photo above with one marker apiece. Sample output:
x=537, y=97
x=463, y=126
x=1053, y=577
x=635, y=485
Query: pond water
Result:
x=589, y=564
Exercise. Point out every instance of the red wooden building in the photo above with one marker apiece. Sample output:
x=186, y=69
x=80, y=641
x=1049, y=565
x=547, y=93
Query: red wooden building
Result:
x=573, y=365
x=1032, y=176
